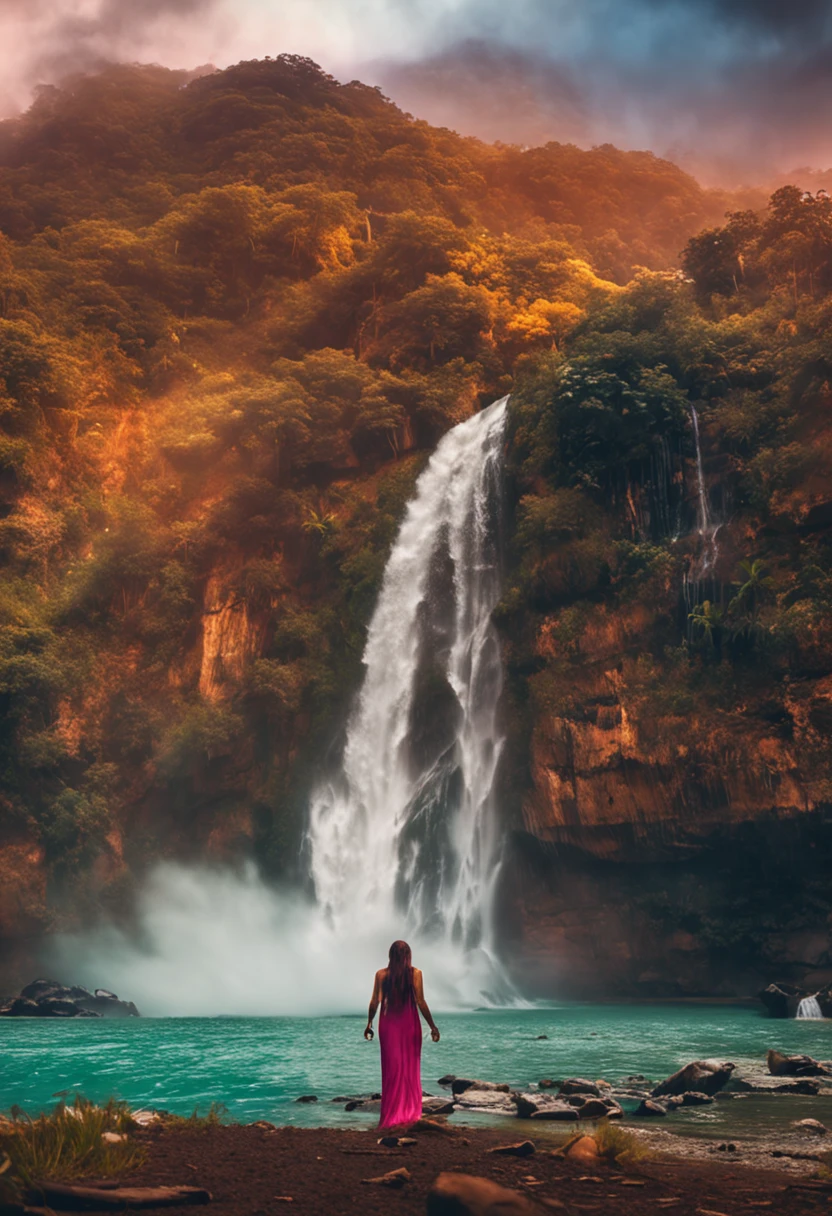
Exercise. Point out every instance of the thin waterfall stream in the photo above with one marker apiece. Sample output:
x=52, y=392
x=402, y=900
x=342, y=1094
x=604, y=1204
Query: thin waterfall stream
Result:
x=404, y=836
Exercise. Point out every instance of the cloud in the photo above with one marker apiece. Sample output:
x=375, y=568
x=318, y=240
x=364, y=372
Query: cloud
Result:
x=722, y=83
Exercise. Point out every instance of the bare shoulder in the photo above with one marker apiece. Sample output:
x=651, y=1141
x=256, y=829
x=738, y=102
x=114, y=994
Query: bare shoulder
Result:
x=381, y=973
x=417, y=972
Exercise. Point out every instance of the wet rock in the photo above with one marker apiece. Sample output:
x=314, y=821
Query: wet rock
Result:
x=397, y=1141
x=264, y=1125
x=650, y=1109
x=781, y=1000
x=594, y=1108
x=21, y=1007
x=307, y=1098
x=468, y=1195
x=813, y=1126
x=673, y=1102
x=808, y=1088
x=780, y=1065
x=701, y=1076
x=460, y=1084
x=48, y=998
x=487, y=1100
x=542, y=1036
x=557, y=1114
x=448, y=1079
x=521, y=1148
x=437, y=1106
x=548, y=1084
x=692, y=1098
x=577, y=1085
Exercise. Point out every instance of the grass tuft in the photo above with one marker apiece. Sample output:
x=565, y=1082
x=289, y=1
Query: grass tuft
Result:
x=217, y=1116
x=619, y=1146
x=68, y=1143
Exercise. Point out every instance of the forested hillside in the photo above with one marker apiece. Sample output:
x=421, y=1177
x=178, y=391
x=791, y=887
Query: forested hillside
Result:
x=235, y=313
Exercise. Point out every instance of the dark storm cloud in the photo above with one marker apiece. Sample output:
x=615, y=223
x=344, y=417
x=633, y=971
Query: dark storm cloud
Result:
x=731, y=87
x=734, y=88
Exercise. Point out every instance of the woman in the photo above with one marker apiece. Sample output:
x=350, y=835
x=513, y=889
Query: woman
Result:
x=398, y=989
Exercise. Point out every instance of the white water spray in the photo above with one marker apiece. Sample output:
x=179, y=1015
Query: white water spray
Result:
x=809, y=1007
x=405, y=834
x=402, y=840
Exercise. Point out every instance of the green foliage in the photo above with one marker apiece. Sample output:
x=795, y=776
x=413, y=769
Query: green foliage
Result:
x=68, y=1143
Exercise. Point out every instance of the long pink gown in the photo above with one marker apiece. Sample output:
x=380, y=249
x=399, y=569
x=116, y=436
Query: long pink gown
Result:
x=400, y=1038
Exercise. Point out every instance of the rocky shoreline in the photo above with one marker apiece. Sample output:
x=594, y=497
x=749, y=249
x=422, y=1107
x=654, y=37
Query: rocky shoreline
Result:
x=51, y=999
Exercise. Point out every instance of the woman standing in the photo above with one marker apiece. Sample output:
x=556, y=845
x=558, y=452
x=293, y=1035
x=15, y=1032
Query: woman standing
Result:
x=398, y=989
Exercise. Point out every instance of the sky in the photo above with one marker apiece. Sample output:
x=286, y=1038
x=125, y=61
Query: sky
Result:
x=734, y=89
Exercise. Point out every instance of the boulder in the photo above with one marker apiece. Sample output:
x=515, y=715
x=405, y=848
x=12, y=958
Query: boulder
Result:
x=780, y=1065
x=692, y=1098
x=647, y=1108
x=702, y=1076
x=521, y=1148
x=557, y=1113
x=468, y=1195
x=437, y=1106
x=805, y=1086
x=584, y=1150
x=49, y=998
x=813, y=1126
x=594, y=1108
x=577, y=1085
x=486, y=1099
x=307, y=1098
x=448, y=1079
x=22, y=1007
x=781, y=1000
x=460, y=1084
x=547, y=1083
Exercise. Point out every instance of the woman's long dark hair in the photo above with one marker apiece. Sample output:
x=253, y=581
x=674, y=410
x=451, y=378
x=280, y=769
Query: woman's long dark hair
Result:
x=397, y=988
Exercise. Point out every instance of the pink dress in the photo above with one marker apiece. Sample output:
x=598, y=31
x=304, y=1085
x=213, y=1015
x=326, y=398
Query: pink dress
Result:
x=400, y=1038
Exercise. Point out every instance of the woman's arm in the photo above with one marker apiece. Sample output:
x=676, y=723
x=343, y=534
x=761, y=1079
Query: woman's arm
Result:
x=423, y=1005
x=374, y=1002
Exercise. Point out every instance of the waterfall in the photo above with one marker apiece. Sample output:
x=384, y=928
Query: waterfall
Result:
x=707, y=529
x=809, y=1007
x=404, y=837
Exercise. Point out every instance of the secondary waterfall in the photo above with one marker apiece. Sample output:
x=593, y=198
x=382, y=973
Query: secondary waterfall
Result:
x=707, y=529
x=403, y=840
x=809, y=1007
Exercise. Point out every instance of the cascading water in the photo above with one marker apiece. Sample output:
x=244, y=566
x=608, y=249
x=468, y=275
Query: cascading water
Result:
x=403, y=839
x=707, y=529
x=809, y=1007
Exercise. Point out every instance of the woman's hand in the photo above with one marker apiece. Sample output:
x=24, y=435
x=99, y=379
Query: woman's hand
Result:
x=368, y=1033
x=434, y=1033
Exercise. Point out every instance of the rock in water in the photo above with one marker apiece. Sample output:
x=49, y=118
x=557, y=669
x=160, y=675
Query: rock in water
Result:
x=459, y=1086
x=577, y=1085
x=702, y=1076
x=437, y=1106
x=780, y=1065
x=50, y=999
x=649, y=1108
x=468, y=1195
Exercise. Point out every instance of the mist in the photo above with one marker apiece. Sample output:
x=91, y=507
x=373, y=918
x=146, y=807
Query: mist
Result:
x=733, y=89
x=209, y=942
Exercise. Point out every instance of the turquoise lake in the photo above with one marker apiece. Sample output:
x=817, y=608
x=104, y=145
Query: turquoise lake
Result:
x=258, y=1067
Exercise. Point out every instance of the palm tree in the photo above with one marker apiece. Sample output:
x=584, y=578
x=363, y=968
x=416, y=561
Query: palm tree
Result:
x=707, y=617
x=751, y=591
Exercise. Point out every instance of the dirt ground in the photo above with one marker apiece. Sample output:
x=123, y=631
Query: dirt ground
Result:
x=253, y=1171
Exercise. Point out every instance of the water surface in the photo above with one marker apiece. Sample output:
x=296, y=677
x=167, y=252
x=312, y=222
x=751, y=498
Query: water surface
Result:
x=258, y=1067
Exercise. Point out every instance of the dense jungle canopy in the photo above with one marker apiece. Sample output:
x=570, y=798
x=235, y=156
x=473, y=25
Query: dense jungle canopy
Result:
x=235, y=313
